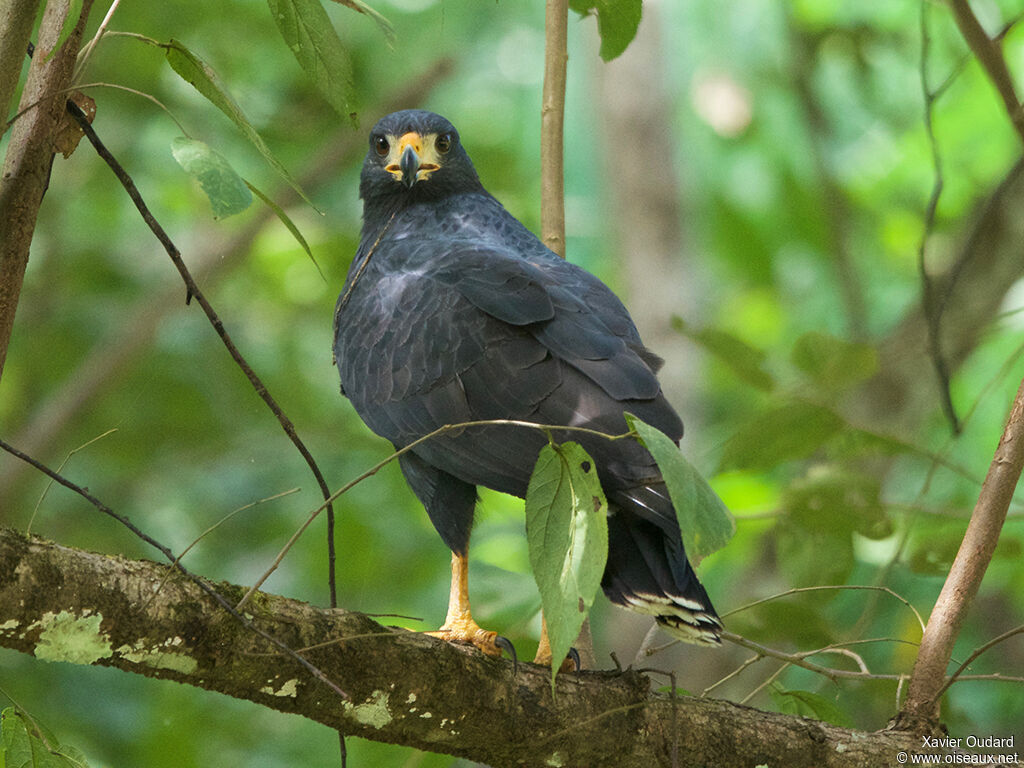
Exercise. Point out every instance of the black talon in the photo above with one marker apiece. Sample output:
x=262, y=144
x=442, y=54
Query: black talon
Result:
x=506, y=645
x=575, y=656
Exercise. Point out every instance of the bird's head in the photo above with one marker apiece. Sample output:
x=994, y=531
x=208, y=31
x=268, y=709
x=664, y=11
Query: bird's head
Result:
x=415, y=154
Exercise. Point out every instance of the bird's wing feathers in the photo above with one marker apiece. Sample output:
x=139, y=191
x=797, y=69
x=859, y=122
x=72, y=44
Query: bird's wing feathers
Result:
x=569, y=311
x=479, y=333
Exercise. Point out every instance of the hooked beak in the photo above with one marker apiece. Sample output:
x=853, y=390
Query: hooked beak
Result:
x=409, y=165
x=412, y=158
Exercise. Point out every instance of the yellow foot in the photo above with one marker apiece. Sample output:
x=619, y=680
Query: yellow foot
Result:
x=543, y=657
x=570, y=663
x=465, y=630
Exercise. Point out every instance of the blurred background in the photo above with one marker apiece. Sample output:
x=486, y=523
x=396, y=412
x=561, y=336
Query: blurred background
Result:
x=751, y=178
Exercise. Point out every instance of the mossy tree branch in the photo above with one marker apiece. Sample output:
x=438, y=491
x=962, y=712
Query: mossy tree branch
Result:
x=406, y=688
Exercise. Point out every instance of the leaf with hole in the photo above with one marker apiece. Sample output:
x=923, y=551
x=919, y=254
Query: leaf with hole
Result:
x=227, y=192
x=704, y=521
x=567, y=536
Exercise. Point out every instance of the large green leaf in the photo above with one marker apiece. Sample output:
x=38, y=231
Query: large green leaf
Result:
x=617, y=22
x=793, y=430
x=226, y=190
x=201, y=76
x=746, y=362
x=832, y=498
x=309, y=34
x=567, y=535
x=704, y=521
x=833, y=363
x=25, y=744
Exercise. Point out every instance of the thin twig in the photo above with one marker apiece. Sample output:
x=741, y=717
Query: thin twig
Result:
x=174, y=561
x=214, y=527
x=546, y=428
x=46, y=490
x=994, y=641
x=193, y=291
x=88, y=48
x=798, y=590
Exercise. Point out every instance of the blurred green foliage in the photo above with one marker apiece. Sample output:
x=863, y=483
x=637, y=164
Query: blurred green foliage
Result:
x=823, y=149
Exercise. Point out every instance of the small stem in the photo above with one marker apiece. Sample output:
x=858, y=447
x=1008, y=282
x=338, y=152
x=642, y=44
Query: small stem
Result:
x=552, y=118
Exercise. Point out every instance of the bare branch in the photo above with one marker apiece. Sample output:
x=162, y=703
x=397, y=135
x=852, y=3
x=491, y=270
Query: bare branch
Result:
x=927, y=681
x=552, y=114
x=993, y=642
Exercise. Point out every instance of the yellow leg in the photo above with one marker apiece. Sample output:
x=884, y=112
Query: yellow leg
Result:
x=544, y=647
x=544, y=651
x=459, y=626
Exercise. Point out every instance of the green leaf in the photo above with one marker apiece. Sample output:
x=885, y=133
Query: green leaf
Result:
x=704, y=521
x=226, y=190
x=567, y=535
x=385, y=26
x=746, y=362
x=809, y=557
x=308, y=32
x=200, y=76
x=833, y=363
x=808, y=704
x=24, y=743
x=829, y=498
x=794, y=430
x=289, y=224
x=617, y=22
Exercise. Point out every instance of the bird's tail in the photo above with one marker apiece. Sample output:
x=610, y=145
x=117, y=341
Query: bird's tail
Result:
x=647, y=569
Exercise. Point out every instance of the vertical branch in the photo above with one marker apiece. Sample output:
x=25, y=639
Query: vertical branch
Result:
x=930, y=302
x=552, y=174
x=16, y=19
x=927, y=681
x=552, y=115
x=26, y=170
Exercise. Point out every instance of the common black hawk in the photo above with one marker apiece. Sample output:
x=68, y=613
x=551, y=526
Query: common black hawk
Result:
x=452, y=312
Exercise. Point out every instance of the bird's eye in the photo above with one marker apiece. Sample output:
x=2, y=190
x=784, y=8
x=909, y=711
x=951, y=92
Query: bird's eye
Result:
x=443, y=143
x=381, y=145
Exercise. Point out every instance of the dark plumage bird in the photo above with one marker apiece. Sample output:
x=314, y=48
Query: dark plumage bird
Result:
x=452, y=312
